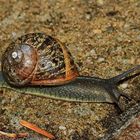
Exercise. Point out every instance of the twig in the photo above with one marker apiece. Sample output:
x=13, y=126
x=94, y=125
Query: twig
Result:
x=36, y=129
x=13, y=135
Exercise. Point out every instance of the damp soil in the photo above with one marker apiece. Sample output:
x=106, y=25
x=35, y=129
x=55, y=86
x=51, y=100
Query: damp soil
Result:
x=104, y=39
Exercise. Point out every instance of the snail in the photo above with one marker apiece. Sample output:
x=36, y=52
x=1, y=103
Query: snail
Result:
x=41, y=65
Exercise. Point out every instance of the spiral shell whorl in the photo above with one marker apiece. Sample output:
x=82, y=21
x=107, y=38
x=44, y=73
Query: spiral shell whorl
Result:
x=18, y=64
x=38, y=59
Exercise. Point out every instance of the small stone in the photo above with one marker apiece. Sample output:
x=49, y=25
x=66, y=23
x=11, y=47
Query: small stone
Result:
x=62, y=127
x=88, y=16
x=97, y=31
x=100, y=2
x=124, y=85
x=14, y=34
x=92, y=52
x=138, y=37
x=3, y=101
x=101, y=59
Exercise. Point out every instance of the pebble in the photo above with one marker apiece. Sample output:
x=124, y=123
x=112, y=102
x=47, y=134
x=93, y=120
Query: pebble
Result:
x=100, y=2
x=88, y=16
x=101, y=59
x=93, y=52
x=97, y=31
x=62, y=127
x=14, y=34
x=138, y=37
x=124, y=85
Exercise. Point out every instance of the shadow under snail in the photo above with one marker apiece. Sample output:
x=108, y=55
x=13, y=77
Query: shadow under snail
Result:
x=41, y=65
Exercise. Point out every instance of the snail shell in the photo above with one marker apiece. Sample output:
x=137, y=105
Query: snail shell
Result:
x=38, y=59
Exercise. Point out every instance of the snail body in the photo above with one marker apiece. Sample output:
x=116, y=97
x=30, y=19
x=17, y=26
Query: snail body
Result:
x=41, y=65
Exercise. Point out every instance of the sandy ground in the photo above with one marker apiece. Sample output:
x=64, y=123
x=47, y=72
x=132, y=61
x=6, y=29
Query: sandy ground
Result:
x=104, y=39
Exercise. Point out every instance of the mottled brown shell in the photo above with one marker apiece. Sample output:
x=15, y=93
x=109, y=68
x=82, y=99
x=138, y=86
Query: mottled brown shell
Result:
x=38, y=59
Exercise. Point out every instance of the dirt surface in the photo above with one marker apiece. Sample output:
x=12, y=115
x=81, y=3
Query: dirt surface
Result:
x=126, y=126
x=104, y=39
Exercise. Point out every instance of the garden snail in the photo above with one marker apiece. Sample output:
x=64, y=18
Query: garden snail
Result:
x=41, y=65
